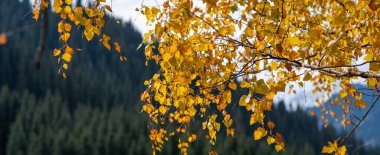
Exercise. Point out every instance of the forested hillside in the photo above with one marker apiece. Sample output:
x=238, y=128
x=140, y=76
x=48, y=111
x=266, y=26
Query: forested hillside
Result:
x=96, y=110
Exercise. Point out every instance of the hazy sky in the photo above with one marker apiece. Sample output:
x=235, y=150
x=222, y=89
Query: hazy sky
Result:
x=125, y=9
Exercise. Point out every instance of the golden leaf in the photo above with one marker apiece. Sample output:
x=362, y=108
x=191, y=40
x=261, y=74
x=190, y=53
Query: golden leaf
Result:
x=67, y=27
x=259, y=133
x=67, y=57
x=68, y=2
x=278, y=148
x=65, y=37
x=36, y=14
x=270, y=140
x=3, y=39
x=65, y=66
x=117, y=47
x=108, y=8
x=293, y=41
x=56, y=52
x=232, y=85
x=105, y=41
x=69, y=50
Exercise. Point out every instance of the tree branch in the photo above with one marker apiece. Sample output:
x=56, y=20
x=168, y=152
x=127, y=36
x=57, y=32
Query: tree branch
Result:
x=327, y=69
x=42, y=42
x=361, y=120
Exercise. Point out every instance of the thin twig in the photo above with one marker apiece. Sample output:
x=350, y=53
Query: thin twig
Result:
x=361, y=120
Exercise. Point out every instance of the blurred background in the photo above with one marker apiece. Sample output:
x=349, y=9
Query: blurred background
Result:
x=96, y=110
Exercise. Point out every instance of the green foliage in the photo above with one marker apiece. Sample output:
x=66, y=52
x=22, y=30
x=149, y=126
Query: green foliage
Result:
x=47, y=126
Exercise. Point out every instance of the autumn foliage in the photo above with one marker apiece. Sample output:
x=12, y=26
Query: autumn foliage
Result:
x=90, y=18
x=208, y=49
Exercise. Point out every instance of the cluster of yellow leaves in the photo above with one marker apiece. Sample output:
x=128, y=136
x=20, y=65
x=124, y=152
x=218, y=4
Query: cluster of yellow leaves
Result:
x=276, y=139
x=213, y=127
x=158, y=137
x=334, y=148
x=91, y=18
x=268, y=46
x=204, y=49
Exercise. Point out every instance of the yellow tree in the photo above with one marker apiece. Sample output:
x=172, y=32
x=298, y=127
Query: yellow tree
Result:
x=204, y=47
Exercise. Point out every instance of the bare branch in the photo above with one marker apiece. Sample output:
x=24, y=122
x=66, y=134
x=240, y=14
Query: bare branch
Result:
x=42, y=44
x=361, y=120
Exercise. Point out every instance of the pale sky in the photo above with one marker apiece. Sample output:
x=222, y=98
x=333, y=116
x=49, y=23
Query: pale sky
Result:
x=125, y=9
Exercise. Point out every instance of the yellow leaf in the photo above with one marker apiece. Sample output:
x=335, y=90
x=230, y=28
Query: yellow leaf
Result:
x=60, y=27
x=249, y=32
x=280, y=86
x=371, y=82
x=259, y=133
x=117, y=47
x=166, y=56
x=366, y=40
x=374, y=66
x=105, y=42
x=217, y=126
x=245, y=84
x=108, y=8
x=293, y=41
x=333, y=147
x=67, y=27
x=270, y=140
x=57, y=6
x=89, y=12
x=232, y=85
x=69, y=50
x=36, y=14
x=78, y=11
x=65, y=37
x=242, y=101
x=65, y=66
x=327, y=149
x=68, y=2
x=227, y=96
x=343, y=93
x=278, y=148
x=307, y=77
x=342, y=150
x=3, y=39
x=89, y=35
x=163, y=109
x=149, y=108
x=67, y=57
x=44, y=4
x=261, y=87
x=361, y=104
x=67, y=10
x=271, y=125
x=56, y=52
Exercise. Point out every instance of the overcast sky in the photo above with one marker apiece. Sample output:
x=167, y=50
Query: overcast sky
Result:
x=125, y=9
